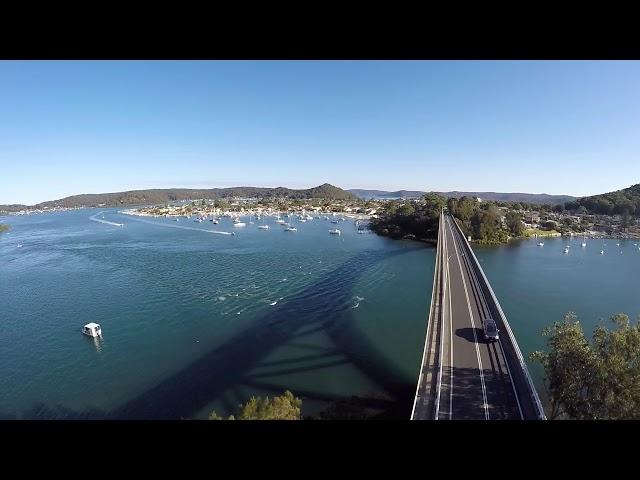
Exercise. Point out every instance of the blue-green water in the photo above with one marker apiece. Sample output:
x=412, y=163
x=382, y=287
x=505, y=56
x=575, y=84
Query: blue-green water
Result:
x=193, y=321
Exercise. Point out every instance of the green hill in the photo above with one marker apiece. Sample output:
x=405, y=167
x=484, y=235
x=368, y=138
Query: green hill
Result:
x=627, y=199
x=159, y=196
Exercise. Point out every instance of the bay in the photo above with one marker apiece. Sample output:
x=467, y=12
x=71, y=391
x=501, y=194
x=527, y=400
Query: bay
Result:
x=194, y=321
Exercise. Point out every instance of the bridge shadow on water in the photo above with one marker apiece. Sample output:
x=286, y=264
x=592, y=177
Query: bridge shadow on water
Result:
x=232, y=365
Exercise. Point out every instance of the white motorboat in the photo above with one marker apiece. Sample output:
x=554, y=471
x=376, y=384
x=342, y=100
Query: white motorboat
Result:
x=335, y=232
x=584, y=244
x=601, y=252
x=238, y=223
x=566, y=249
x=291, y=229
x=263, y=227
x=541, y=244
x=92, y=330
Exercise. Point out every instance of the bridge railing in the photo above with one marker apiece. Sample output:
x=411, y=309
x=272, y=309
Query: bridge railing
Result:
x=440, y=319
x=525, y=389
x=436, y=299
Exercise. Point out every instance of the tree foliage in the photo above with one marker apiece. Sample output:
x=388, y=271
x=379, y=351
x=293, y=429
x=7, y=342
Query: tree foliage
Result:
x=418, y=218
x=612, y=203
x=283, y=407
x=514, y=223
x=592, y=380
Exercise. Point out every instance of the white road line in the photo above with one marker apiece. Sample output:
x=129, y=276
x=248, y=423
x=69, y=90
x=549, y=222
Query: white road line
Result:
x=464, y=283
x=485, y=305
x=450, y=343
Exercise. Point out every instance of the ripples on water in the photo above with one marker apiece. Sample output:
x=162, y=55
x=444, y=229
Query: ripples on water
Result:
x=193, y=322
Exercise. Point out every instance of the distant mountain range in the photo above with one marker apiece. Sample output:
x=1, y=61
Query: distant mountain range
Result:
x=539, y=198
x=159, y=196
x=611, y=202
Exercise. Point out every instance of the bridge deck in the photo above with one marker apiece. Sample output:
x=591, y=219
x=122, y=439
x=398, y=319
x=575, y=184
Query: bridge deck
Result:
x=476, y=380
x=464, y=377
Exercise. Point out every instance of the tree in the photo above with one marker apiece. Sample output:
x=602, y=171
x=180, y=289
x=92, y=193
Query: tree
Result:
x=434, y=203
x=514, y=223
x=465, y=208
x=599, y=380
x=484, y=224
x=284, y=407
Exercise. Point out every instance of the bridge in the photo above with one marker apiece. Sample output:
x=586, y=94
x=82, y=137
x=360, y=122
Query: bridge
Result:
x=462, y=376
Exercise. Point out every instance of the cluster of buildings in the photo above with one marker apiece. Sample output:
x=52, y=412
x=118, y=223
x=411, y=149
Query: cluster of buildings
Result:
x=238, y=207
x=564, y=223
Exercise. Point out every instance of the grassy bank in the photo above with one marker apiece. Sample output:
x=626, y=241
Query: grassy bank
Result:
x=531, y=232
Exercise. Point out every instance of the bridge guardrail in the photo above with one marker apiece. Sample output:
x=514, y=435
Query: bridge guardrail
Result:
x=434, y=298
x=443, y=285
x=525, y=388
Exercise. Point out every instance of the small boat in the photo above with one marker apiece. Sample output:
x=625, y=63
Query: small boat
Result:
x=291, y=229
x=280, y=221
x=566, y=249
x=302, y=220
x=601, y=252
x=263, y=227
x=335, y=232
x=239, y=224
x=584, y=244
x=540, y=244
x=92, y=330
x=334, y=221
x=618, y=244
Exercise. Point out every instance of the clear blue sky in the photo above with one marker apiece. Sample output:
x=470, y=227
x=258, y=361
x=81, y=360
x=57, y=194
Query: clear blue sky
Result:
x=92, y=127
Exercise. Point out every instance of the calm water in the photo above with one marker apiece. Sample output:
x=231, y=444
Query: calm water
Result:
x=194, y=321
x=191, y=323
x=538, y=285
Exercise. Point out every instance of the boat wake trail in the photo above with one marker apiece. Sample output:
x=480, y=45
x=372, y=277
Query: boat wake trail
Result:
x=93, y=218
x=168, y=225
x=357, y=301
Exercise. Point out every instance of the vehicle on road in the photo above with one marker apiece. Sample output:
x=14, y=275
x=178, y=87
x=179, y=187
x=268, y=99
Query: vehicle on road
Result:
x=490, y=330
